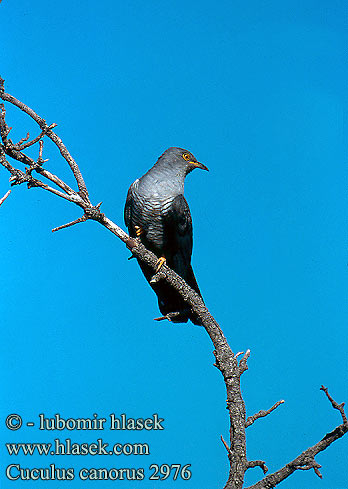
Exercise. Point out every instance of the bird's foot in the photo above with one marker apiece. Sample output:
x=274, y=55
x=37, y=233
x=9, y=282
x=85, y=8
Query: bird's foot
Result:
x=160, y=262
x=138, y=231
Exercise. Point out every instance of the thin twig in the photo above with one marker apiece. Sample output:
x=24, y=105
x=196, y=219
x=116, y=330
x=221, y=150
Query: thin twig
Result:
x=261, y=414
x=5, y=196
x=22, y=144
x=22, y=140
x=48, y=131
x=54, y=179
x=12, y=150
x=334, y=404
x=40, y=160
x=18, y=177
x=225, y=445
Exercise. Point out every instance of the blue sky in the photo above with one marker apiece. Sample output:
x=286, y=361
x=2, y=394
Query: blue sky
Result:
x=257, y=91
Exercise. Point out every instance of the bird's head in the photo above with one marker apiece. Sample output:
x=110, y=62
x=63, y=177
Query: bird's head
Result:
x=180, y=159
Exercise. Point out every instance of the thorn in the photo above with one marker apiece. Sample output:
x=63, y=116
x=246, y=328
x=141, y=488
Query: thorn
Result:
x=72, y=223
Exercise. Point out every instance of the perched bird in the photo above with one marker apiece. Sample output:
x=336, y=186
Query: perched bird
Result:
x=157, y=213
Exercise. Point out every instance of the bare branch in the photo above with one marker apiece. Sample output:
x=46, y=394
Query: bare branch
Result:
x=4, y=128
x=5, y=163
x=262, y=413
x=305, y=460
x=40, y=160
x=22, y=144
x=5, y=196
x=334, y=404
x=54, y=179
x=21, y=141
x=12, y=150
x=18, y=177
x=47, y=129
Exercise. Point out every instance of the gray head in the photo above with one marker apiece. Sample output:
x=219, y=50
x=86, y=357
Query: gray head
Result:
x=180, y=160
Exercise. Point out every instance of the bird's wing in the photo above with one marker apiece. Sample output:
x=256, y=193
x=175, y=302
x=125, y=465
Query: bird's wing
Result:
x=178, y=235
x=179, y=238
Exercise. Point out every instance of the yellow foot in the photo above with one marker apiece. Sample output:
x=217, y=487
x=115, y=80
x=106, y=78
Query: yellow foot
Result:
x=138, y=231
x=159, y=263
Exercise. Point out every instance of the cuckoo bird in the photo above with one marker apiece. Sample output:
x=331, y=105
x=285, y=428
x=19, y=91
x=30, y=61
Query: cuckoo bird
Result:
x=156, y=212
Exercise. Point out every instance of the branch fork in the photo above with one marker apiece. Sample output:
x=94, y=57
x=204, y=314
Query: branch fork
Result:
x=308, y=464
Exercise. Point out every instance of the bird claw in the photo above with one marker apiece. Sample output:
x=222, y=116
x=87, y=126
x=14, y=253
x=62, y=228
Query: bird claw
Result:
x=160, y=262
x=138, y=231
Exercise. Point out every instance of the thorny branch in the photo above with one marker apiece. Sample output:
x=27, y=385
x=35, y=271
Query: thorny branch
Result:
x=225, y=360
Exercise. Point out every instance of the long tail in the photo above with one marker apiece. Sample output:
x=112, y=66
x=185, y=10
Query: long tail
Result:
x=169, y=300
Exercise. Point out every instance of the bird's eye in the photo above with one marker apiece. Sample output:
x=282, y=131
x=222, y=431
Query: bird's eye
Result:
x=186, y=156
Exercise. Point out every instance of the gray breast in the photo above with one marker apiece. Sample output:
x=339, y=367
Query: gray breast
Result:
x=150, y=205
